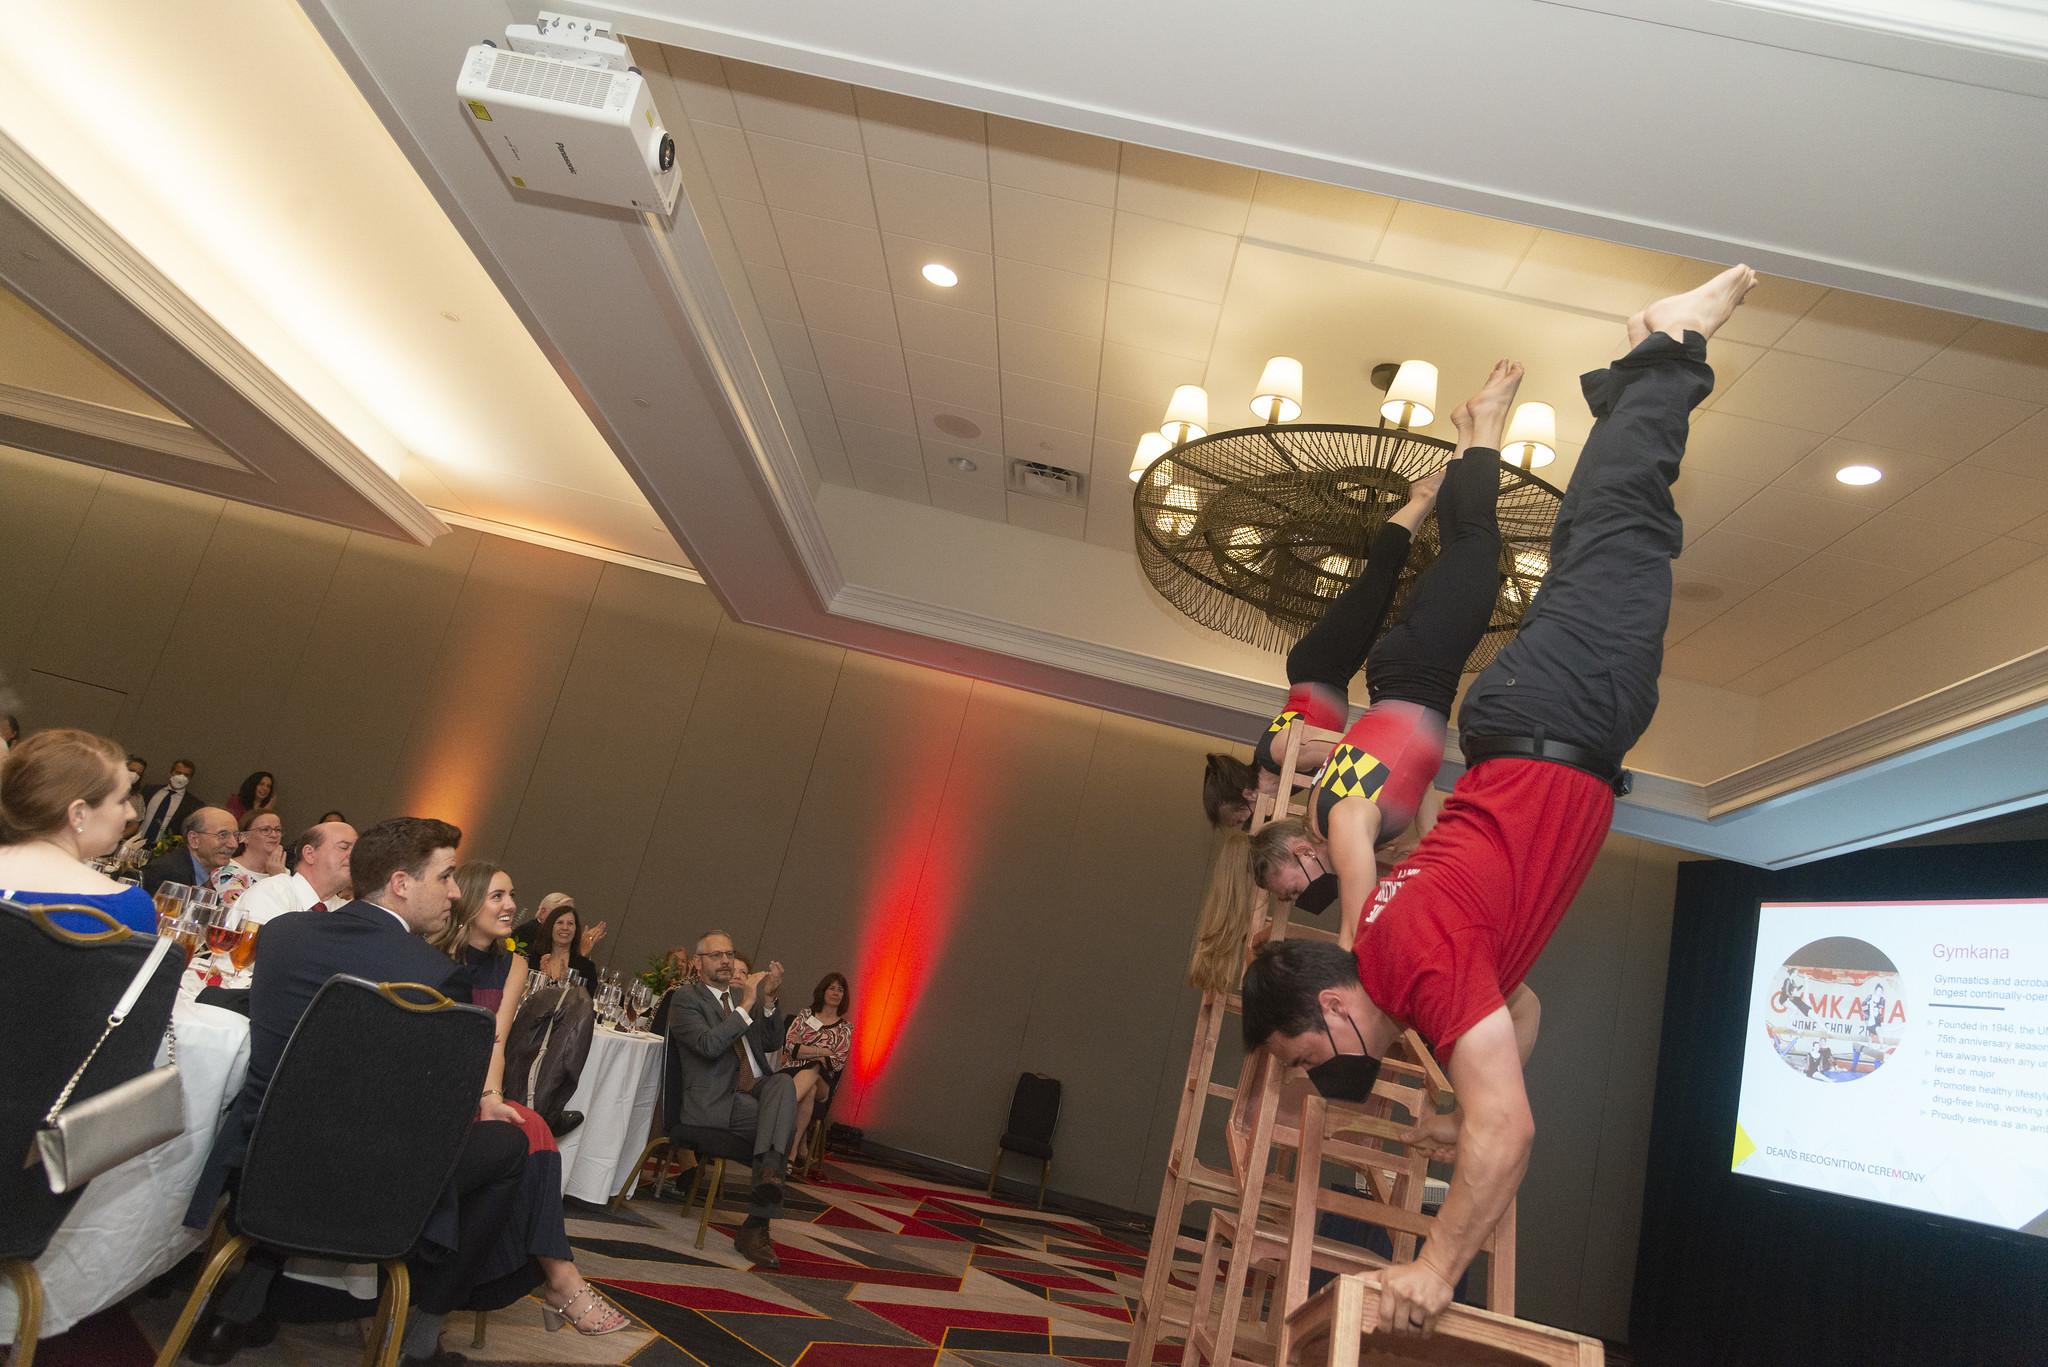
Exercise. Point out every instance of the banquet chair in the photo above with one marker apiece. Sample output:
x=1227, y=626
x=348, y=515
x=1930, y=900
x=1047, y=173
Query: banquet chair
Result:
x=63, y=985
x=1034, y=1115
x=430, y=1059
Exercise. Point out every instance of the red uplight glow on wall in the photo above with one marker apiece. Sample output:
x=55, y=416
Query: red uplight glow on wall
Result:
x=907, y=915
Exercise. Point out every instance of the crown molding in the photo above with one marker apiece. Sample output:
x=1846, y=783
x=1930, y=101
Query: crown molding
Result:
x=71, y=226
x=115, y=425
x=570, y=546
x=1980, y=699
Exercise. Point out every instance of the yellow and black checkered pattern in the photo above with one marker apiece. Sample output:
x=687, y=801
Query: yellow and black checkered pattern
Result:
x=1280, y=722
x=1350, y=773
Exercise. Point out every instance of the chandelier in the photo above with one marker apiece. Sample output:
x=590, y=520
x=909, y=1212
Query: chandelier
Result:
x=1253, y=531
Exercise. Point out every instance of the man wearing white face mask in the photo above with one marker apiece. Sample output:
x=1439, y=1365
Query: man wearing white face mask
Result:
x=164, y=806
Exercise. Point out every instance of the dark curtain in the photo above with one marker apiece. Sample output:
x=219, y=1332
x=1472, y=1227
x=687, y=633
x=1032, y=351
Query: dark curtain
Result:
x=1733, y=1271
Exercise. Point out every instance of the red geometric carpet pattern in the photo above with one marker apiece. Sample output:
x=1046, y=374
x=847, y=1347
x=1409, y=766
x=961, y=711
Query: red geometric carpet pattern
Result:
x=878, y=1269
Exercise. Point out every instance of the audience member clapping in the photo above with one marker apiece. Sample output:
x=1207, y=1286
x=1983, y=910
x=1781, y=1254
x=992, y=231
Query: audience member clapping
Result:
x=817, y=1046
x=562, y=947
x=261, y=856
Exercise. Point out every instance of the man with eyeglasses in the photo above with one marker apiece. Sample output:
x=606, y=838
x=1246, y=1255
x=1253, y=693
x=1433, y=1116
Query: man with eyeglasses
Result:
x=722, y=1030
x=210, y=840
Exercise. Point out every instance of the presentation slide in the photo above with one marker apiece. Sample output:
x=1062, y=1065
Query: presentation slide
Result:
x=1898, y=1052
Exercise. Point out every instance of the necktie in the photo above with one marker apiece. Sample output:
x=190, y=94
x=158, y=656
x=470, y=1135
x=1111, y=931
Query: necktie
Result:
x=317, y=906
x=747, y=1076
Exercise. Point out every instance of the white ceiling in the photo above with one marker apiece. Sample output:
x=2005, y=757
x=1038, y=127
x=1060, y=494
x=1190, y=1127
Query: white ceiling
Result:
x=226, y=145
x=1094, y=276
x=755, y=389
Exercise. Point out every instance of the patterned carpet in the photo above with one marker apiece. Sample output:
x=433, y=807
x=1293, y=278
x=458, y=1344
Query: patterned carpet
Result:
x=879, y=1269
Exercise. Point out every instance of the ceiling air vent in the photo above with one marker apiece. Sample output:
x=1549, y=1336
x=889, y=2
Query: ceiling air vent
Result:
x=1045, y=481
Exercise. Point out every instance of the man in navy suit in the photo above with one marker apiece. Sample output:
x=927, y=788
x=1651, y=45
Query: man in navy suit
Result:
x=405, y=868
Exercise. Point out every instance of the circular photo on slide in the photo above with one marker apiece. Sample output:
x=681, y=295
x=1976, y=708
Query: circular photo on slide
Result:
x=1836, y=1011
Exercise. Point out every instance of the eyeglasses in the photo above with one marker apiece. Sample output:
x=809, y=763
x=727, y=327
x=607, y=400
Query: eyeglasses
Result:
x=717, y=954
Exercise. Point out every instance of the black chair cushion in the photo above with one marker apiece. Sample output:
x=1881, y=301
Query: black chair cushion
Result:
x=1035, y=1148
x=59, y=993
x=710, y=1143
x=1034, y=1111
x=362, y=1124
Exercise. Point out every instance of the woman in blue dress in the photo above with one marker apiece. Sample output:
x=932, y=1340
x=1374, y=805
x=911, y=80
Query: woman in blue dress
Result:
x=63, y=801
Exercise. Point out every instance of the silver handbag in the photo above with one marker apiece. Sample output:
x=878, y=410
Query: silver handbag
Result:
x=104, y=1131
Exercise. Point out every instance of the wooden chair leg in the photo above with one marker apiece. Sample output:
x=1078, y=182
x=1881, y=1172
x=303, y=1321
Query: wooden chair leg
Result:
x=28, y=1309
x=225, y=1258
x=633, y=1174
x=995, y=1165
x=483, y=1322
x=387, y=1333
x=710, y=1197
x=1044, y=1172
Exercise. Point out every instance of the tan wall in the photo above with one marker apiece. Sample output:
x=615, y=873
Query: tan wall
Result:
x=1009, y=880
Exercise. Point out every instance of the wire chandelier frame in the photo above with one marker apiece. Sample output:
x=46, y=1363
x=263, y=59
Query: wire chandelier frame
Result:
x=1253, y=532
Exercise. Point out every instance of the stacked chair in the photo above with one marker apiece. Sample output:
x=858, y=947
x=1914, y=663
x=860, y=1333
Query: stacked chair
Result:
x=1239, y=1296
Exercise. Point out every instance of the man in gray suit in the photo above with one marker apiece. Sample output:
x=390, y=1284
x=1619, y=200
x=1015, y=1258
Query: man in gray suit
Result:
x=724, y=1032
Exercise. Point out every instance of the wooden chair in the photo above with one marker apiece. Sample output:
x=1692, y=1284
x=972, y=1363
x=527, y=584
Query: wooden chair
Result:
x=1329, y=1328
x=1190, y=1181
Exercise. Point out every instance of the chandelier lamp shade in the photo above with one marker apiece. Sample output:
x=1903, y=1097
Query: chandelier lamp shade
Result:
x=1254, y=531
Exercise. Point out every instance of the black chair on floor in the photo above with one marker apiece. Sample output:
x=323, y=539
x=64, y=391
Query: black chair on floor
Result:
x=63, y=985
x=1034, y=1115
x=686, y=1148
x=359, y=1132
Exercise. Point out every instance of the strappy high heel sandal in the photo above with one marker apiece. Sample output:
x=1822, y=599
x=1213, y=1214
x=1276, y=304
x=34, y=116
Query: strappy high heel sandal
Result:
x=598, y=1315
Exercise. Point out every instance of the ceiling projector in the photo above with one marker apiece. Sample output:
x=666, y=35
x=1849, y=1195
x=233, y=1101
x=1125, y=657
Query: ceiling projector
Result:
x=561, y=112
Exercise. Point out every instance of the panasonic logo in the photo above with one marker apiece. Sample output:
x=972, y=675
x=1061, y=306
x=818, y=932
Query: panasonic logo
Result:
x=564, y=152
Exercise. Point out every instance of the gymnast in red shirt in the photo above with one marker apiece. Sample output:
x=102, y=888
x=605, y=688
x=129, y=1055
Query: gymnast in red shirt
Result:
x=1450, y=934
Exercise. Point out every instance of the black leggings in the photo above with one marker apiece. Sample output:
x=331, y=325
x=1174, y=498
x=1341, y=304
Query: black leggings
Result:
x=1333, y=650
x=1422, y=656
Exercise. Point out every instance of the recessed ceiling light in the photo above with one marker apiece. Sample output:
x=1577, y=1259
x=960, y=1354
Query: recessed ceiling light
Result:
x=1859, y=474
x=945, y=277
x=962, y=464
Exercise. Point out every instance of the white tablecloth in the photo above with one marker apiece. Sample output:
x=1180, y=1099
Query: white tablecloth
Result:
x=620, y=1084
x=129, y=1225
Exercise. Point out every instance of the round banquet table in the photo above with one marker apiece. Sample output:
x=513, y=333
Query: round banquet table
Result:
x=129, y=1225
x=621, y=1082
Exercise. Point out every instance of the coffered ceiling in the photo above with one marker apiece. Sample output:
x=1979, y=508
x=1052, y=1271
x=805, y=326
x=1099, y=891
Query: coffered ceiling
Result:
x=1094, y=276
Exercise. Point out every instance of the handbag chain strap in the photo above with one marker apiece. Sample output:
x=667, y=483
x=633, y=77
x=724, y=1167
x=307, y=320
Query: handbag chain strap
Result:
x=114, y=1019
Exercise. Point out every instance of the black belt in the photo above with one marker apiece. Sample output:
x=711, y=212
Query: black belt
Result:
x=1478, y=748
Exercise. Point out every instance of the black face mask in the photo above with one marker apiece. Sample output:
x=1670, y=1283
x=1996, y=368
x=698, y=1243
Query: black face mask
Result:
x=1317, y=896
x=1345, y=1077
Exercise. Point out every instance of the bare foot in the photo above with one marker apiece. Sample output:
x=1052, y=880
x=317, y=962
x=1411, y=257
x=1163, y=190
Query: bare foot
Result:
x=1482, y=419
x=1703, y=310
x=1425, y=490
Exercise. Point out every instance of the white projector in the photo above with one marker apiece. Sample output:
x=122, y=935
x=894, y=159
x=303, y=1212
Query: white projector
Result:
x=571, y=129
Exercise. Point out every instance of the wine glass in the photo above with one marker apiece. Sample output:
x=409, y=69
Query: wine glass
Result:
x=224, y=932
x=170, y=905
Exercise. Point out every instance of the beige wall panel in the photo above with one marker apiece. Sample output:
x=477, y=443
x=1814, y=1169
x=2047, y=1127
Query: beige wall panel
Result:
x=221, y=698
x=611, y=742
x=996, y=927
x=49, y=700
x=492, y=694
x=364, y=672
x=109, y=615
x=856, y=858
x=43, y=503
x=1117, y=923
x=722, y=833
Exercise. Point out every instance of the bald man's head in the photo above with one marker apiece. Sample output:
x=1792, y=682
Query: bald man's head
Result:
x=323, y=852
x=211, y=835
